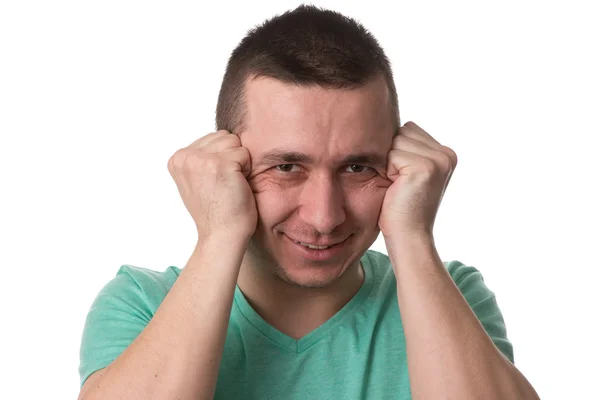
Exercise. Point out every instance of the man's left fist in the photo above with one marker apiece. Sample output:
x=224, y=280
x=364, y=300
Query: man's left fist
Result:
x=420, y=169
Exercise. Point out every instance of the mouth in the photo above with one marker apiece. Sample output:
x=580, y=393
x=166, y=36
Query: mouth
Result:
x=317, y=252
x=314, y=246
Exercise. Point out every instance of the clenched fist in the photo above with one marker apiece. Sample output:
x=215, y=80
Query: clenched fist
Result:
x=211, y=177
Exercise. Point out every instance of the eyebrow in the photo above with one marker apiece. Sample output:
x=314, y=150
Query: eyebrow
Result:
x=278, y=156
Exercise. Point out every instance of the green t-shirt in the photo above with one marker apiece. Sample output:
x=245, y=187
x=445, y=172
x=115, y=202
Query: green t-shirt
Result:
x=360, y=353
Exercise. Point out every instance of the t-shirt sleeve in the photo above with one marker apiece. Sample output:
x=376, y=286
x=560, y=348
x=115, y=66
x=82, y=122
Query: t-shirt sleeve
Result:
x=483, y=303
x=118, y=314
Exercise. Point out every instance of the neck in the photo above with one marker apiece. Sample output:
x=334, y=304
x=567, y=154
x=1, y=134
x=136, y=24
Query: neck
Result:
x=293, y=310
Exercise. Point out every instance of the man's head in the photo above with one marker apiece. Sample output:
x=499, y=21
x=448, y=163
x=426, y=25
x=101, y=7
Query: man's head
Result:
x=312, y=97
x=304, y=47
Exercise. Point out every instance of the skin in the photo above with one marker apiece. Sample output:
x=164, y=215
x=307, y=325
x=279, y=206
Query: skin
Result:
x=449, y=353
x=321, y=201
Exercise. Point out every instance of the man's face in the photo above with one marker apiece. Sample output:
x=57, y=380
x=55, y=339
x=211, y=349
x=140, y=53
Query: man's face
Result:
x=318, y=174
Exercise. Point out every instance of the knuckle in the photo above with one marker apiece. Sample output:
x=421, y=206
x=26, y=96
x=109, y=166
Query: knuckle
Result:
x=442, y=161
x=187, y=160
x=243, y=151
x=210, y=164
x=201, y=142
x=233, y=140
x=430, y=166
x=170, y=164
x=447, y=158
x=178, y=159
x=453, y=157
x=193, y=161
x=446, y=164
x=223, y=142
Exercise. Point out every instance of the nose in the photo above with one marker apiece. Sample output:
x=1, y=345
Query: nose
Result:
x=322, y=204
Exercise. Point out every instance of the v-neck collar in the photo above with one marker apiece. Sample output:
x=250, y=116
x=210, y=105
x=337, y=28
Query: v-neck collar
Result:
x=300, y=345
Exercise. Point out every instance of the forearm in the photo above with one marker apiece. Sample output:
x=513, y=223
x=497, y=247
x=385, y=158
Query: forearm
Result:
x=178, y=354
x=449, y=353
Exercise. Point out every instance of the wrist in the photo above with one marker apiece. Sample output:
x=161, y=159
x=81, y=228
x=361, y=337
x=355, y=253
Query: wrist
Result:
x=223, y=235
x=218, y=249
x=407, y=247
x=410, y=239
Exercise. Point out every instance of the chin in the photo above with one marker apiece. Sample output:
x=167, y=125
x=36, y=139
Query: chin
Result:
x=278, y=258
x=308, y=278
x=311, y=276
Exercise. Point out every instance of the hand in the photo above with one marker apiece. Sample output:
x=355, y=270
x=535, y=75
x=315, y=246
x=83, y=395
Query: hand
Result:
x=420, y=169
x=211, y=177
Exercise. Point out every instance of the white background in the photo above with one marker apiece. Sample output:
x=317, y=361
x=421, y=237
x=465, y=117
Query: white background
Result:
x=96, y=96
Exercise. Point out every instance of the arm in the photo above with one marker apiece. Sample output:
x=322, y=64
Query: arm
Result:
x=450, y=355
x=178, y=354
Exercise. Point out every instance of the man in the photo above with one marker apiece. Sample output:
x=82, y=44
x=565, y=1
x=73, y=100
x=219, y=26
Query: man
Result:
x=282, y=298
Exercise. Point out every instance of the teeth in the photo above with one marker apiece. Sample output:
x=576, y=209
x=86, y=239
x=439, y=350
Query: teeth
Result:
x=311, y=246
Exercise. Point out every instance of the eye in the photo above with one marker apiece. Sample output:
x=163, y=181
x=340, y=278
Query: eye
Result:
x=285, y=167
x=357, y=168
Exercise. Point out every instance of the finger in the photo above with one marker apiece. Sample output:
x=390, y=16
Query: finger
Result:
x=419, y=135
x=414, y=131
x=220, y=143
x=415, y=146
x=444, y=157
x=241, y=156
x=400, y=159
x=207, y=139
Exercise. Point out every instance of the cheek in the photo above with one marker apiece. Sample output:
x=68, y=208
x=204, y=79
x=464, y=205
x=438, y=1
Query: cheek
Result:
x=273, y=200
x=365, y=205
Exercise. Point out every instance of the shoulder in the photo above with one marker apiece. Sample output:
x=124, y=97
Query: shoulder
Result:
x=469, y=281
x=460, y=272
x=145, y=277
x=136, y=286
x=120, y=311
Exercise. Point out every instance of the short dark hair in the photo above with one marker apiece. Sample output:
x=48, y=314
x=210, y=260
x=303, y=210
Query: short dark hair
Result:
x=305, y=46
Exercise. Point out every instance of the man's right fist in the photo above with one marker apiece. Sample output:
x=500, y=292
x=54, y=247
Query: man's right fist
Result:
x=211, y=177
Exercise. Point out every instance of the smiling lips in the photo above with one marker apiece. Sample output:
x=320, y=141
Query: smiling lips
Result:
x=321, y=252
x=312, y=246
x=316, y=246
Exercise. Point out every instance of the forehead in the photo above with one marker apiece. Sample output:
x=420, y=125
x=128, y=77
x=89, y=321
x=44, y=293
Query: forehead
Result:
x=312, y=119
